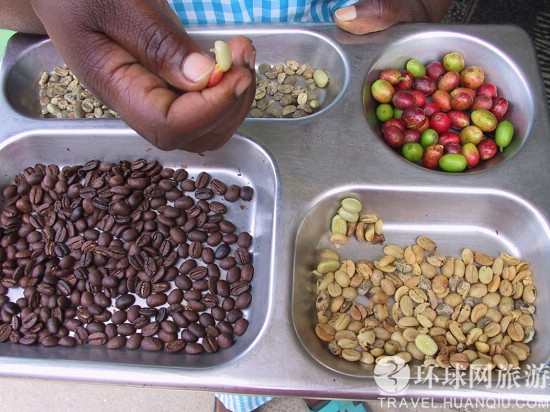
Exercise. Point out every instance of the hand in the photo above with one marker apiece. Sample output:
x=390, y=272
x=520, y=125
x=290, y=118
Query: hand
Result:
x=368, y=16
x=137, y=58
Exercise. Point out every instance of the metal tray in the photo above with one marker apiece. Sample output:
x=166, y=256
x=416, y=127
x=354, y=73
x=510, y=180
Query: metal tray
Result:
x=241, y=162
x=319, y=159
x=414, y=211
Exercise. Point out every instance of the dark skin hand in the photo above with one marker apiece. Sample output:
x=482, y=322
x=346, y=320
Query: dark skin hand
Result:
x=137, y=58
x=367, y=16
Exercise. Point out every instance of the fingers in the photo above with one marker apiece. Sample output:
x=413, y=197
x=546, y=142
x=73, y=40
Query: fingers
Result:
x=367, y=16
x=149, y=34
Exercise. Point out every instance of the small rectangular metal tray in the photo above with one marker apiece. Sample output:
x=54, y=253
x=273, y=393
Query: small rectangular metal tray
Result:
x=240, y=162
x=488, y=221
x=27, y=57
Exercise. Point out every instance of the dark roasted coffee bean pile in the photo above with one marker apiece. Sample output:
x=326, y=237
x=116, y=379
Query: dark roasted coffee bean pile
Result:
x=127, y=254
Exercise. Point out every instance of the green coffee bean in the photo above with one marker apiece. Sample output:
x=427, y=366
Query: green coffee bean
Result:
x=329, y=265
x=348, y=216
x=223, y=55
x=352, y=205
x=504, y=134
x=320, y=78
x=339, y=225
x=425, y=344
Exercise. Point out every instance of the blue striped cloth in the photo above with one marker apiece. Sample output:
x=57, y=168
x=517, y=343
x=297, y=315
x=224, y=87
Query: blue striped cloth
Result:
x=242, y=403
x=257, y=11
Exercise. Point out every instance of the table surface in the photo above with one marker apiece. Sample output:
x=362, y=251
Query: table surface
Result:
x=303, y=376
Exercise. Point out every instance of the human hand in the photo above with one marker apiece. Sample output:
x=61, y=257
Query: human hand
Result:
x=368, y=16
x=137, y=58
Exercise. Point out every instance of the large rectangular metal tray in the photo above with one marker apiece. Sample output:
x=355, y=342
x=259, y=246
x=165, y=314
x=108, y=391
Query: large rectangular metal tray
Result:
x=310, y=163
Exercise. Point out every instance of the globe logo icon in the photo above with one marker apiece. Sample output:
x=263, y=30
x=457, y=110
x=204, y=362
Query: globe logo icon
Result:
x=392, y=375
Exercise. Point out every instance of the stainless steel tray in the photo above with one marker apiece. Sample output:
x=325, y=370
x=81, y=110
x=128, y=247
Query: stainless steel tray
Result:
x=315, y=162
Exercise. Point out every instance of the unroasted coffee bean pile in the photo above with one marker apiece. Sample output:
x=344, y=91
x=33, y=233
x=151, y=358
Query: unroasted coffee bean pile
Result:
x=127, y=254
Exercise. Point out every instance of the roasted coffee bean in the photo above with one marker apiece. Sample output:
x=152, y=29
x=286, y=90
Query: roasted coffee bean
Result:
x=198, y=272
x=188, y=336
x=214, y=239
x=186, y=266
x=244, y=240
x=110, y=330
x=126, y=329
x=119, y=317
x=125, y=301
x=207, y=255
x=232, y=193
x=152, y=344
x=210, y=344
x=224, y=327
x=134, y=341
x=175, y=346
x=239, y=287
x=240, y=326
x=218, y=187
x=247, y=272
x=227, y=227
x=246, y=193
x=116, y=342
x=180, y=320
x=227, y=262
x=210, y=300
x=243, y=300
x=97, y=339
x=229, y=238
x=223, y=288
x=193, y=348
x=175, y=296
x=222, y=251
x=5, y=331
x=156, y=299
x=197, y=330
x=217, y=313
x=242, y=256
x=196, y=305
x=183, y=282
x=191, y=315
x=201, y=193
x=200, y=285
x=211, y=331
x=28, y=339
x=233, y=275
x=228, y=304
x=66, y=341
x=150, y=329
x=224, y=340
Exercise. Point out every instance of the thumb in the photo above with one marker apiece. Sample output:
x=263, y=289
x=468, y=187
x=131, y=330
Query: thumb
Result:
x=367, y=16
x=149, y=34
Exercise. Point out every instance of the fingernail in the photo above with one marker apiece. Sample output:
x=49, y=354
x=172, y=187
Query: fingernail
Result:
x=242, y=84
x=197, y=66
x=250, y=57
x=346, y=13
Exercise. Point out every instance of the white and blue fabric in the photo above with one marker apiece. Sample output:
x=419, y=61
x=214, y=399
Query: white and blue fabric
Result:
x=242, y=403
x=257, y=11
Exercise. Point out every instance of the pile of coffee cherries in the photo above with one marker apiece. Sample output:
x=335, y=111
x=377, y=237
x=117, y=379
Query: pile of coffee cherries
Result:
x=442, y=115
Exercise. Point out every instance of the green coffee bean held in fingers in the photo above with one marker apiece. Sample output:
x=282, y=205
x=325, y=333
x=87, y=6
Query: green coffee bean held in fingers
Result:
x=504, y=134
